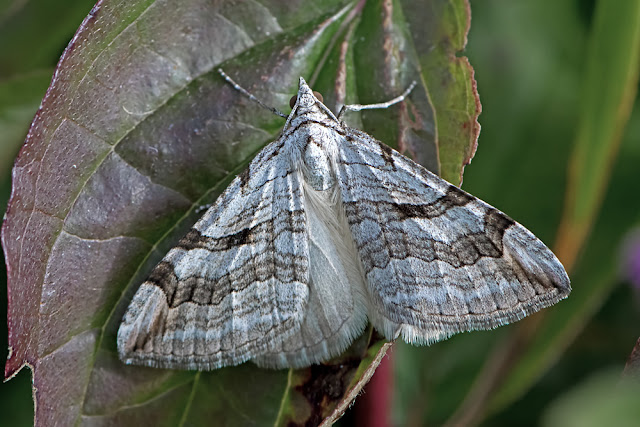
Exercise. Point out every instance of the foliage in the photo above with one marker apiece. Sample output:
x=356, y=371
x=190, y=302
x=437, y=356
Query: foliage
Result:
x=544, y=70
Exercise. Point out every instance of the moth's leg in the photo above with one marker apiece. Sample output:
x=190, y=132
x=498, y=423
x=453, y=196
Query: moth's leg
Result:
x=242, y=90
x=358, y=107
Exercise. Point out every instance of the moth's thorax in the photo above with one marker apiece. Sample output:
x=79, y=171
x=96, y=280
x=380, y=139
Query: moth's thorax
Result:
x=313, y=141
x=317, y=145
x=318, y=167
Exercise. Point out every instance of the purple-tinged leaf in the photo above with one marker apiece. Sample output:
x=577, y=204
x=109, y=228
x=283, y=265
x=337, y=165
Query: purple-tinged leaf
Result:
x=136, y=132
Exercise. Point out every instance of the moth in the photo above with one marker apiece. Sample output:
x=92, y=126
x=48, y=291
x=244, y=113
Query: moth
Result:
x=326, y=230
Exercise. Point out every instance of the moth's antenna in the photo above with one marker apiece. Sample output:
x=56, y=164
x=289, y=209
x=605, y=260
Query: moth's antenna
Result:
x=242, y=90
x=358, y=107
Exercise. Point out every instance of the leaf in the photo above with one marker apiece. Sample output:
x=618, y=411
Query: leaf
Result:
x=599, y=400
x=595, y=276
x=34, y=33
x=607, y=93
x=19, y=100
x=632, y=368
x=135, y=133
x=610, y=86
x=610, y=89
x=452, y=87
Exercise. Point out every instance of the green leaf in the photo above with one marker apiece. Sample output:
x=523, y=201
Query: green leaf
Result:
x=594, y=277
x=609, y=89
x=610, y=85
x=449, y=78
x=528, y=59
x=33, y=33
x=601, y=399
x=19, y=100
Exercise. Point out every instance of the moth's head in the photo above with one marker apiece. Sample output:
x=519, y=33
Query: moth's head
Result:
x=306, y=99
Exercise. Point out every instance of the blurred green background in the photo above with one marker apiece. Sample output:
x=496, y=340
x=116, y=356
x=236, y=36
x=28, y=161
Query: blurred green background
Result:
x=530, y=59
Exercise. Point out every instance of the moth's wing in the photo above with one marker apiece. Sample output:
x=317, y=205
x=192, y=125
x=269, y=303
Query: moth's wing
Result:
x=337, y=310
x=437, y=260
x=235, y=286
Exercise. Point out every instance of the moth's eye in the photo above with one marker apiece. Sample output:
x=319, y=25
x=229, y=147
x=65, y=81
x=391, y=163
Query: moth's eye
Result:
x=293, y=100
x=318, y=95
